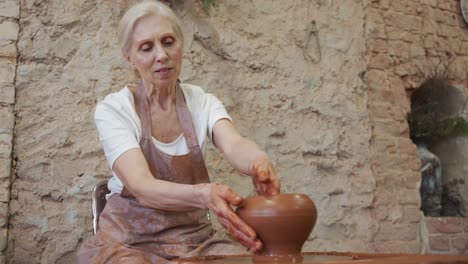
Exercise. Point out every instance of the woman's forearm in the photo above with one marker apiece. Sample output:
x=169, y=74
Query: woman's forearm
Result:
x=171, y=196
x=133, y=171
x=242, y=153
x=239, y=151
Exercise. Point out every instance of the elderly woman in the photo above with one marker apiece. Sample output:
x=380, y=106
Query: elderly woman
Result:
x=154, y=135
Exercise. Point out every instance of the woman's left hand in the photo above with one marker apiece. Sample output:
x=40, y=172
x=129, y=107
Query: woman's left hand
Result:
x=264, y=177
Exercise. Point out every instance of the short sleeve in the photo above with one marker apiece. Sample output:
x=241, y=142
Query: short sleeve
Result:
x=217, y=111
x=115, y=132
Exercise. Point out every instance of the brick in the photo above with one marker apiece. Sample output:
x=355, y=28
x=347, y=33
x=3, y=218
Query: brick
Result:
x=5, y=168
x=398, y=48
x=439, y=243
x=3, y=214
x=375, y=28
x=412, y=8
x=398, y=247
x=386, y=127
x=460, y=241
x=3, y=239
x=417, y=51
x=458, y=69
x=389, y=231
x=380, y=213
x=385, y=94
x=7, y=93
x=382, y=110
x=406, y=145
x=451, y=19
x=406, y=69
x=380, y=61
x=430, y=41
x=7, y=118
x=447, y=5
x=5, y=145
x=412, y=180
x=394, y=33
x=403, y=22
x=9, y=8
x=378, y=45
x=4, y=191
x=9, y=30
x=432, y=3
x=409, y=197
x=7, y=71
x=8, y=49
x=446, y=225
x=448, y=31
x=412, y=214
x=398, y=6
x=377, y=79
x=456, y=46
x=430, y=27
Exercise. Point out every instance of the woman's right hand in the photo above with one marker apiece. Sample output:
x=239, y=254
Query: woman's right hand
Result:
x=218, y=197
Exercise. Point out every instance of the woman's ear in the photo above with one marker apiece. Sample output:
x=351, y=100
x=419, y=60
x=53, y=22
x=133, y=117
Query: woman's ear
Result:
x=127, y=57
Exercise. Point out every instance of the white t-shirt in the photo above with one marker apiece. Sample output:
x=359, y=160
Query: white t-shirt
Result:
x=119, y=126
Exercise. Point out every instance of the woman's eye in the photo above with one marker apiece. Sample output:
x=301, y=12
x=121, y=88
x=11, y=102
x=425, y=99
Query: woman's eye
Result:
x=147, y=48
x=168, y=42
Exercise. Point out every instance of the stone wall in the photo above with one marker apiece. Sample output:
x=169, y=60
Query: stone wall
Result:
x=292, y=85
x=407, y=41
x=320, y=85
x=9, y=13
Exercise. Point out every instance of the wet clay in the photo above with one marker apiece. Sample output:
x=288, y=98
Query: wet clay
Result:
x=282, y=222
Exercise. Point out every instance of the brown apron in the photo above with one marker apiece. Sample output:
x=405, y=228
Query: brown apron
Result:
x=131, y=233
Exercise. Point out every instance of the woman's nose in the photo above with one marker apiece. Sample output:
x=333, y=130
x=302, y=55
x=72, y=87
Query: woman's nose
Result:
x=161, y=54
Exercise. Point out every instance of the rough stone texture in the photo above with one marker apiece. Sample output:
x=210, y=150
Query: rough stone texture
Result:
x=306, y=102
x=9, y=29
x=406, y=41
x=3, y=215
x=325, y=94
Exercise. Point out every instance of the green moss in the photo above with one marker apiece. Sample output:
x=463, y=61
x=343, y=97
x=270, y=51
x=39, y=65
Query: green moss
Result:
x=207, y=5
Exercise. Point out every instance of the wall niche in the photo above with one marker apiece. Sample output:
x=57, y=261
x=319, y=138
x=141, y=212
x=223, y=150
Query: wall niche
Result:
x=439, y=127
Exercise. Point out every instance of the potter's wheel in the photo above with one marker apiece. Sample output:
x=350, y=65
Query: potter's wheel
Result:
x=334, y=258
x=249, y=259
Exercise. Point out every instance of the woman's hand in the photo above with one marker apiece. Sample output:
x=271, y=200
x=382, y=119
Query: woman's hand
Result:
x=264, y=177
x=218, y=197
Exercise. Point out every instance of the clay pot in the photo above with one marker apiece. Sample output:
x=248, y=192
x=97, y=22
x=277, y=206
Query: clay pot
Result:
x=282, y=222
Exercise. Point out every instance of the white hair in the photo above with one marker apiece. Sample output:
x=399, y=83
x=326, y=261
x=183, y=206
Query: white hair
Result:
x=140, y=10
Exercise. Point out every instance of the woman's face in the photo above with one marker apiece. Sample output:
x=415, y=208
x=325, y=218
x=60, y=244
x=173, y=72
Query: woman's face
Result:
x=156, y=51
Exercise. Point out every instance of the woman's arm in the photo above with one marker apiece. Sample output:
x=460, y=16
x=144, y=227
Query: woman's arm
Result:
x=133, y=171
x=245, y=156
